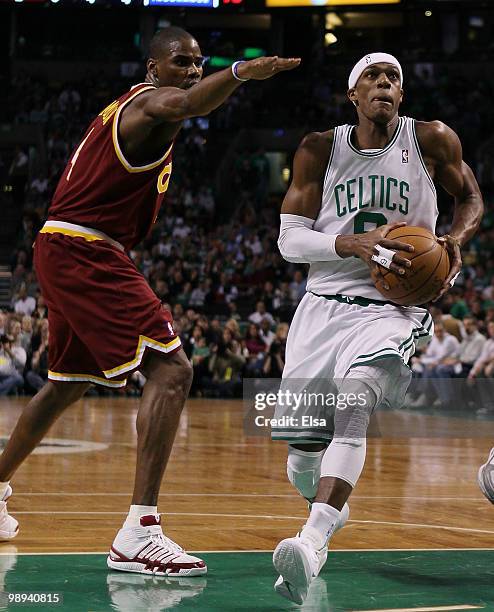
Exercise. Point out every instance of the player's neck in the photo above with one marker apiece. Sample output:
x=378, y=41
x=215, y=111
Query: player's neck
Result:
x=371, y=135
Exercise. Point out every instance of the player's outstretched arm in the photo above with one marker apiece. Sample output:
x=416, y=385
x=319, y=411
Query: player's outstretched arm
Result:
x=170, y=104
x=442, y=146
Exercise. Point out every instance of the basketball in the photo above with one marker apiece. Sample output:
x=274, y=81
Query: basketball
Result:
x=430, y=267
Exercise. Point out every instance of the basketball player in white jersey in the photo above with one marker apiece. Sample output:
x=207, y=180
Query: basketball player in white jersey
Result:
x=350, y=187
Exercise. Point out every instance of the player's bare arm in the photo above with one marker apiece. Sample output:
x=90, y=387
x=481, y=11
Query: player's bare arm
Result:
x=305, y=192
x=158, y=114
x=171, y=104
x=442, y=152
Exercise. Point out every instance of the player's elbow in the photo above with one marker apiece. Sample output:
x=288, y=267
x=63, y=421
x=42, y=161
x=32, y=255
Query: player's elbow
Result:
x=284, y=247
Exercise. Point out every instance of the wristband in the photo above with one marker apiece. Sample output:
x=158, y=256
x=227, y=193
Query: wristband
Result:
x=234, y=71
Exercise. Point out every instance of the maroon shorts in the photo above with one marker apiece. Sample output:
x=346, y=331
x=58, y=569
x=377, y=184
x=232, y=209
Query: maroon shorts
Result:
x=102, y=314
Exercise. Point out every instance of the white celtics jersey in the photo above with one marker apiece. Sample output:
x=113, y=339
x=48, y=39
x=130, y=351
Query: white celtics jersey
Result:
x=363, y=190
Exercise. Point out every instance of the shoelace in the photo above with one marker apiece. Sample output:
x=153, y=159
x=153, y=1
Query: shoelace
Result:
x=159, y=539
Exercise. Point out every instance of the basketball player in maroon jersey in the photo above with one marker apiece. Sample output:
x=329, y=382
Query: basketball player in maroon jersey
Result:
x=105, y=321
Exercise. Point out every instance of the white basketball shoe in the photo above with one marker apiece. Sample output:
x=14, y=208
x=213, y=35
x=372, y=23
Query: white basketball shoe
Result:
x=9, y=527
x=485, y=477
x=299, y=562
x=146, y=550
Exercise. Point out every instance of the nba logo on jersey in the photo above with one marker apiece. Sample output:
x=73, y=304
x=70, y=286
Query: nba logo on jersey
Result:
x=404, y=156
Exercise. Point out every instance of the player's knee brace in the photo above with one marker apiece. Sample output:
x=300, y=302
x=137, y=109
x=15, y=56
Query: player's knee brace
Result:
x=304, y=470
x=345, y=456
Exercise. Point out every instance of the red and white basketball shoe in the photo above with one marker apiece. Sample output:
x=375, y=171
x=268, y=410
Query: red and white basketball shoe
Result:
x=146, y=550
x=9, y=527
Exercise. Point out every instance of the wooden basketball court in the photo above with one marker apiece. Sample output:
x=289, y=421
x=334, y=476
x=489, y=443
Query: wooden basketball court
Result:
x=420, y=533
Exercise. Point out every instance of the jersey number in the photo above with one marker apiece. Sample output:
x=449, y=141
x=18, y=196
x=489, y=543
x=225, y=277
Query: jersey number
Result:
x=364, y=217
x=164, y=178
x=76, y=154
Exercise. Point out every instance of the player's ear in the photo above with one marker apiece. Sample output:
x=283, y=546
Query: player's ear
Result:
x=352, y=96
x=152, y=67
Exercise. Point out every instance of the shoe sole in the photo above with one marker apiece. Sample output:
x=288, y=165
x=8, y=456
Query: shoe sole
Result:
x=283, y=588
x=480, y=480
x=140, y=568
x=289, y=562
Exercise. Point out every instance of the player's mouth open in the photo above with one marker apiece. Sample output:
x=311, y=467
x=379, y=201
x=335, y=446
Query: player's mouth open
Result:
x=386, y=99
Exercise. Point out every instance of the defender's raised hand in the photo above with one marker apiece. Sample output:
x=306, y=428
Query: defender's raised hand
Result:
x=263, y=68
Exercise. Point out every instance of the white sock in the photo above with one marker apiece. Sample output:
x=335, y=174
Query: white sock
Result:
x=321, y=524
x=135, y=513
x=3, y=488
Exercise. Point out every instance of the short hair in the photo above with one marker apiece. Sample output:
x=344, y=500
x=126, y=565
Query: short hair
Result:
x=161, y=40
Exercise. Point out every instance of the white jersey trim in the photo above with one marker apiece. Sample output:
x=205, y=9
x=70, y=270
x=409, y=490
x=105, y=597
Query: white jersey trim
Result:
x=399, y=127
x=421, y=158
x=118, y=150
x=333, y=147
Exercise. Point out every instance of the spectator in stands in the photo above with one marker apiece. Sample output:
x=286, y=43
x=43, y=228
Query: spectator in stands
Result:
x=457, y=305
x=225, y=366
x=266, y=335
x=255, y=349
x=26, y=332
x=441, y=348
x=282, y=302
x=41, y=311
x=260, y=313
x=484, y=364
x=10, y=378
x=24, y=304
x=37, y=376
x=458, y=366
x=18, y=351
x=198, y=295
x=297, y=287
x=3, y=322
x=275, y=360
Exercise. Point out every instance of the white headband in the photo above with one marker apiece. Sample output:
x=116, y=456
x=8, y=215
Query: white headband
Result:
x=370, y=60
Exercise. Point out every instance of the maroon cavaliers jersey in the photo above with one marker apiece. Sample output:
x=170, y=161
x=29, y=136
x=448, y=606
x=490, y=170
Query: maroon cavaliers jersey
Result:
x=100, y=189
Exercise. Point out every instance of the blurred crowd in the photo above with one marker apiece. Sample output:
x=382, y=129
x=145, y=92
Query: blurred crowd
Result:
x=220, y=273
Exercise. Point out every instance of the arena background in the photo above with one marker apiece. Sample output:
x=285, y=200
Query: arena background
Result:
x=212, y=257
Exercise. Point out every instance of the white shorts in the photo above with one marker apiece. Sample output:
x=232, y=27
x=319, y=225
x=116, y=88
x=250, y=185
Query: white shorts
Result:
x=335, y=337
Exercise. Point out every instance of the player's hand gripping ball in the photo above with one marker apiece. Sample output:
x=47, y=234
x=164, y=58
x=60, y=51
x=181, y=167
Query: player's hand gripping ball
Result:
x=430, y=268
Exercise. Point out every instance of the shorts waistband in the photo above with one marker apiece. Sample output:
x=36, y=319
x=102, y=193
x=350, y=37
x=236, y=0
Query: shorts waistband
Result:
x=71, y=229
x=348, y=299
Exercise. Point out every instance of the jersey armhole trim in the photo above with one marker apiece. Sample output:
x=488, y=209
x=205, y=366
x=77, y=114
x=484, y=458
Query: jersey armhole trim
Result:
x=419, y=153
x=116, y=145
x=331, y=155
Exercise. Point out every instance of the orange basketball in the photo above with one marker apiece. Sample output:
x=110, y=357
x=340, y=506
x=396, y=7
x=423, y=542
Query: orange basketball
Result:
x=430, y=267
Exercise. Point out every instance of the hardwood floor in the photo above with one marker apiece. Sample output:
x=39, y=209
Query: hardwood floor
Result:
x=226, y=491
